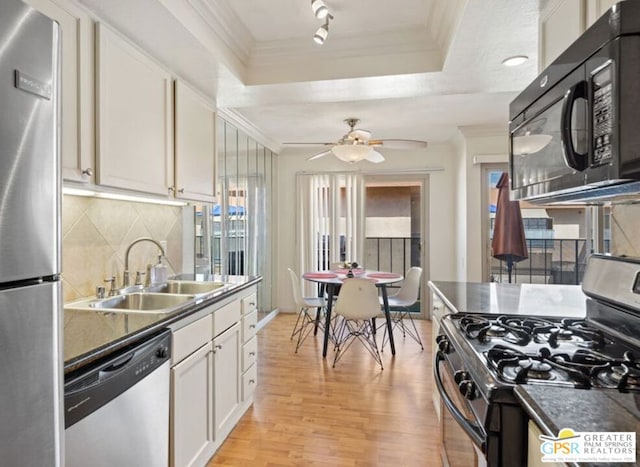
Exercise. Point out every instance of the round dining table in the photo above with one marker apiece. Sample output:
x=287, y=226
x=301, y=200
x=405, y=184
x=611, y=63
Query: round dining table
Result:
x=330, y=280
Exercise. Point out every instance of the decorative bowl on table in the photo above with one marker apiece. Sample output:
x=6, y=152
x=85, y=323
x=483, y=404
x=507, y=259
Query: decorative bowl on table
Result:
x=351, y=269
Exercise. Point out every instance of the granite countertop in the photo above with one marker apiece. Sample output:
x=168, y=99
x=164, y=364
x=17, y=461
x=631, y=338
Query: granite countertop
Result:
x=553, y=408
x=522, y=299
x=90, y=335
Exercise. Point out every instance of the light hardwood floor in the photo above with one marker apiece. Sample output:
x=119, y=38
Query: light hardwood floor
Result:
x=307, y=413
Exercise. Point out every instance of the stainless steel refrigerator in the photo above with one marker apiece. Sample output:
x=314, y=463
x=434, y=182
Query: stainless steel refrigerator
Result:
x=31, y=424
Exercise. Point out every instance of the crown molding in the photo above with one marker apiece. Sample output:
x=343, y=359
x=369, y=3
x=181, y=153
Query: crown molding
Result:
x=389, y=53
x=208, y=27
x=236, y=119
x=388, y=42
x=226, y=24
x=444, y=20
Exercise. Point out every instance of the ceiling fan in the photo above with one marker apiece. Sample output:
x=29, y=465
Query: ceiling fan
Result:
x=357, y=145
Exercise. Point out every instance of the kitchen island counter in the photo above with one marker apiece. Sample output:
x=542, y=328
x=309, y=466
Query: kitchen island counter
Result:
x=91, y=335
x=518, y=299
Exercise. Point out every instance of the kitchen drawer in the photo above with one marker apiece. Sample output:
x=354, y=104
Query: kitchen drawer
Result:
x=226, y=317
x=249, y=382
x=190, y=338
x=249, y=353
x=249, y=304
x=249, y=323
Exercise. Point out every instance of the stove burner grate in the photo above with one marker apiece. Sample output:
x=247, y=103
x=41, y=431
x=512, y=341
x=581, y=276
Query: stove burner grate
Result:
x=522, y=331
x=518, y=367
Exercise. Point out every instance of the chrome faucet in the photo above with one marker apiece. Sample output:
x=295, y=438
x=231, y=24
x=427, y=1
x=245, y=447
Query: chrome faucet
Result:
x=125, y=276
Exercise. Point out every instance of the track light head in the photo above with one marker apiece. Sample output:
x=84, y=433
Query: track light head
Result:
x=320, y=10
x=321, y=34
x=323, y=31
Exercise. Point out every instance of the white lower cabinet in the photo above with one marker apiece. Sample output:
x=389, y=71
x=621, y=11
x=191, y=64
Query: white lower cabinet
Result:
x=226, y=379
x=249, y=346
x=191, y=434
x=213, y=377
x=438, y=310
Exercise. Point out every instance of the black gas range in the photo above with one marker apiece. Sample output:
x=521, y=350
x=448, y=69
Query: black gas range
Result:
x=482, y=357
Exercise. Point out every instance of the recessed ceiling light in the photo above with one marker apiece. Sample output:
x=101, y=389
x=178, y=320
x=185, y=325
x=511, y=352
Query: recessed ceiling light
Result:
x=515, y=60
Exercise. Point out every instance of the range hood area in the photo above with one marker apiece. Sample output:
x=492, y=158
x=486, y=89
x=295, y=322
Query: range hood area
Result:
x=583, y=111
x=624, y=192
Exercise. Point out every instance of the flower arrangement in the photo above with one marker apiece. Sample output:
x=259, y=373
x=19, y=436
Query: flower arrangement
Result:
x=350, y=267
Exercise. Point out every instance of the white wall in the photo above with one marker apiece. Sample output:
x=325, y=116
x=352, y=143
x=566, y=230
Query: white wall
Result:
x=474, y=142
x=460, y=231
x=442, y=198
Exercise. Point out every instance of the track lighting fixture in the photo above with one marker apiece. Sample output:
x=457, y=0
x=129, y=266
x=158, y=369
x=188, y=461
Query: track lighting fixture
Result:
x=320, y=10
x=323, y=31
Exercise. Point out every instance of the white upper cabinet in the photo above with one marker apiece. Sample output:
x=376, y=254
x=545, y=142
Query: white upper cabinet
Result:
x=596, y=8
x=134, y=117
x=562, y=22
x=194, y=145
x=77, y=87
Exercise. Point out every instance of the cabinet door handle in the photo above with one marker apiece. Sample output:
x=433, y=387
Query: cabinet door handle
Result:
x=171, y=189
x=252, y=354
x=181, y=190
x=252, y=381
x=88, y=171
x=218, y=346
x=251, y=326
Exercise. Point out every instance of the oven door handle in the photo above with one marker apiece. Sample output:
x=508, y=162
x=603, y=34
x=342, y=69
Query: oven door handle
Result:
x=475, y=432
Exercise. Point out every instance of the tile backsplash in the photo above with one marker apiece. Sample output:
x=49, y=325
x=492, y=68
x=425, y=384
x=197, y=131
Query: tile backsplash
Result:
x=625, y=226
x=96, y=233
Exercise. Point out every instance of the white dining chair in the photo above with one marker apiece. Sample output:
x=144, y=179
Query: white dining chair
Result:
x=358, y=305
x=400, y=304
x=306, y=321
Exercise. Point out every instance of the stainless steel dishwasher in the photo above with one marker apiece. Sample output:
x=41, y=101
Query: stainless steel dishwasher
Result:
x=117, y=411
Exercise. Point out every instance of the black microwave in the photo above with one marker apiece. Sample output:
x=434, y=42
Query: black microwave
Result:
x=574, y=132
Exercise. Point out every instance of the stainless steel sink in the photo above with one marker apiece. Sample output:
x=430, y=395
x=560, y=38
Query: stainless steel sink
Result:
x=186, y=287
x=140, y=302
x=143, y=301
x=159, y=299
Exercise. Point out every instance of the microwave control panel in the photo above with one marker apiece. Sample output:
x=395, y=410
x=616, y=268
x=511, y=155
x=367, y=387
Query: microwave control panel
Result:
x=602, y=116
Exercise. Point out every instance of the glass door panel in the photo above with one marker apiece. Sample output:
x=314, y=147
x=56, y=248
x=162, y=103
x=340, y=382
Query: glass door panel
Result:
x=395, y=226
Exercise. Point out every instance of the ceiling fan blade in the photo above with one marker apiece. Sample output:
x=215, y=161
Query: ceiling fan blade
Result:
x=375, y=157
x=311, y=144
x=362, y=135
x=319, y=155
x=399, y=143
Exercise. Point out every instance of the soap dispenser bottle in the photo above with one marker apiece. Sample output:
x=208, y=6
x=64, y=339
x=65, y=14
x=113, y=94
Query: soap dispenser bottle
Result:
x=160, y=272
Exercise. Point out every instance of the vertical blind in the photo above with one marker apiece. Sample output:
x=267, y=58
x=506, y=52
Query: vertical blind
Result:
x=330, y=219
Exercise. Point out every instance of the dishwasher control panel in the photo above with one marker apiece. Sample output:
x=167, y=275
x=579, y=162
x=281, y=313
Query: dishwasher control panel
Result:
x=91, y=387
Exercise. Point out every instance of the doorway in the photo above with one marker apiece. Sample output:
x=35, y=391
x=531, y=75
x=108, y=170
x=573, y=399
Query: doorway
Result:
x=396, y=216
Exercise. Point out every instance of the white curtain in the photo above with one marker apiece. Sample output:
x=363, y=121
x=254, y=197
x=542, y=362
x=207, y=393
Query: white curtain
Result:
x=329, y=211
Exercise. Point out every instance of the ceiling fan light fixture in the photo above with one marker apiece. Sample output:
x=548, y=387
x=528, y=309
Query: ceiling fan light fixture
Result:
x=351, y=152
x=320, y=10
